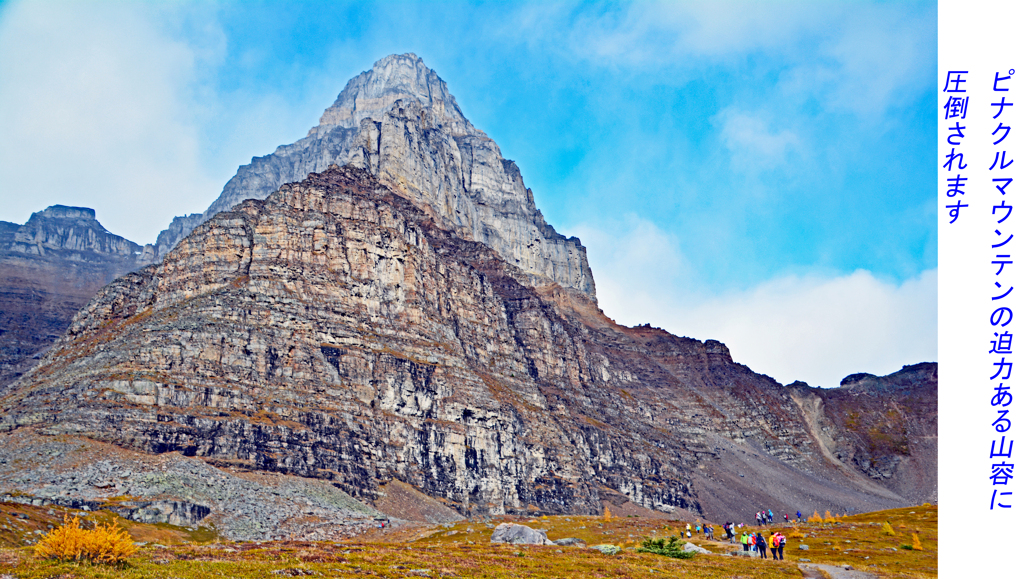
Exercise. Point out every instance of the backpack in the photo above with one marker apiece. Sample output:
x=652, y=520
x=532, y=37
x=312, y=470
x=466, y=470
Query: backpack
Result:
x=775, y=541
x=782, y=540
x=761, y=542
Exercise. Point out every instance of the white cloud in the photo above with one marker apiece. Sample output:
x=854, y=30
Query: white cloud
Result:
x=99, y=107
x=810, y=327
x=752, y=142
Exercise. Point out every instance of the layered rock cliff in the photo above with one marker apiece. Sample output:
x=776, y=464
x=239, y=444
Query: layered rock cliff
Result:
x=334, y=330
x=49, y=268
x=399, y=122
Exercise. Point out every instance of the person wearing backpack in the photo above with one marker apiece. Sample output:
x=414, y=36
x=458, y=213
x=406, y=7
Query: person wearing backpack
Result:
x=743, y=541
x=774, y=539
x=782, y=545
x=762, y=546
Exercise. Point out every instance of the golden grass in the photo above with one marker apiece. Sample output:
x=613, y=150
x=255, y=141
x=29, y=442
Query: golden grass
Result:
x=464, y=550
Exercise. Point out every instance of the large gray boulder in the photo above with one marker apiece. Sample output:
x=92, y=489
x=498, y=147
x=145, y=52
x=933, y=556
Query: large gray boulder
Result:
x=695, y=548
x=519, y=535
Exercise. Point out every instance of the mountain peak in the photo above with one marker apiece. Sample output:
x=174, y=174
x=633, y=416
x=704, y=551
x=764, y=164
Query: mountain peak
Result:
x=66, y=212
x=394, y=77
x=399, y=122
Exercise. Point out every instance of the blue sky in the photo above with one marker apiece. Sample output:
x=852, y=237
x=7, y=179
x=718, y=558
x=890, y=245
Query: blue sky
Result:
x=759, y=173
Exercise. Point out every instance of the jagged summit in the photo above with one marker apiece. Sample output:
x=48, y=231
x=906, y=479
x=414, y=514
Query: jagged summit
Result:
x=371, y=94
x=60, y=227
x=66, y=212
x=49, y=268
x=399, y=122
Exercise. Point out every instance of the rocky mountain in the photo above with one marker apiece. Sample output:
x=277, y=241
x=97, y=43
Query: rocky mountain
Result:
x=399, y=122
x=49, y=268
x=338, y=330
x=377, y=319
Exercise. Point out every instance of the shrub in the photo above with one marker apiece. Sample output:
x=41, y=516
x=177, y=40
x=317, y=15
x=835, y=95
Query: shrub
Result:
x=829, y=518
x=815, y=518
x=607, y=514
x=70, y=542
x=887, y=530
x=907, y=547
x=668, y=548
x=796, y=534
x=915, y=542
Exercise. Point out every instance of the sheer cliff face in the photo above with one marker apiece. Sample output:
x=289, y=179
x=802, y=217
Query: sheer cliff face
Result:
x=399, y=122
x=49, y=268
x=334, y=330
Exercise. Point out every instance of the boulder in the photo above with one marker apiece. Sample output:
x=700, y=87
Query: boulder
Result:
x=607, y=549
x=571, y=542
x=519, y=535
x=696, y=548
x=804, y=548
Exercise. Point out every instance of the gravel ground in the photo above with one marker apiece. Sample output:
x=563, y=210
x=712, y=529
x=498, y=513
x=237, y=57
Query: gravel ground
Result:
x=243, y=505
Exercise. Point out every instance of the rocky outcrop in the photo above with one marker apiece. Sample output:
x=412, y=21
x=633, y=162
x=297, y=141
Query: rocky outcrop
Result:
x=334, y=330
x=49, y=268
x=399, y=122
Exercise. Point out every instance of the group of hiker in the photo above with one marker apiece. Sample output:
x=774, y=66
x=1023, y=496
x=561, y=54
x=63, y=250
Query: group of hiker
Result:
x=768, y=518
x=751, y=540
x=759, y=543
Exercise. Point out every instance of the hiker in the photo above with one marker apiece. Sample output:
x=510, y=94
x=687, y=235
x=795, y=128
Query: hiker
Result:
x=709, y=531
x=786, y=516
x=774, y=541
x=762, y=546
x=757, y=517
x=782, y=545
x=771, y=516
x=688, y=535
x=798, y=515
x=744, y=542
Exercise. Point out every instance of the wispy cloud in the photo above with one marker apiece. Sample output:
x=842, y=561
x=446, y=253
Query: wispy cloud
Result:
x=752, y=143
x=857, y=57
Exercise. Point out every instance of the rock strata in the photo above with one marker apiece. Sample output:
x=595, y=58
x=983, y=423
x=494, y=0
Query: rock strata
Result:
x=399, y=122
x=334, y=331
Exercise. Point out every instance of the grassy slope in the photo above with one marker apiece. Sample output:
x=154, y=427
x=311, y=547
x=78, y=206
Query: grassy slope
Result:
x=463, y=550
